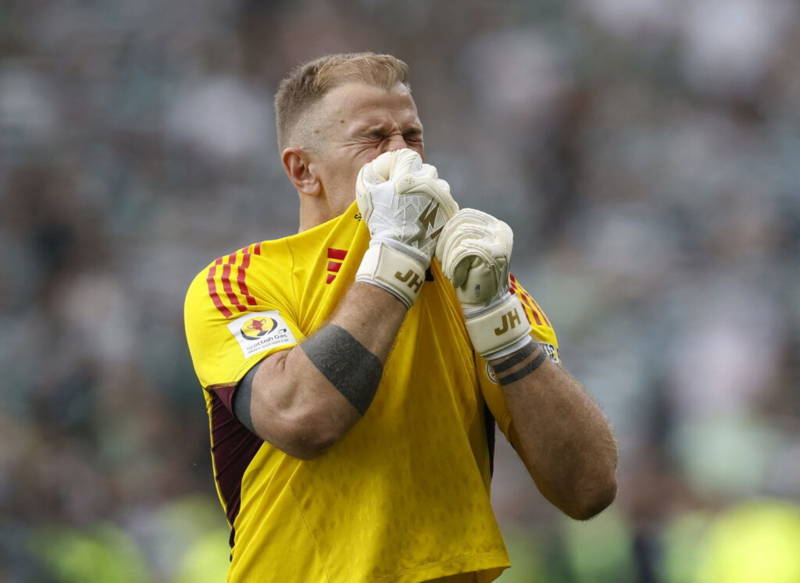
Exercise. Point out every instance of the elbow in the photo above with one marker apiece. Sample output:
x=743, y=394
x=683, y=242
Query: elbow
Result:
x=312, y=434
x=306, y=453
x=309, y=446
x=592, y=501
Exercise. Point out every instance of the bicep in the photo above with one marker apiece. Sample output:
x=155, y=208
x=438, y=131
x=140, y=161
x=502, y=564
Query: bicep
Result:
x=260, y=388
x=303, y=399
x=283, y=400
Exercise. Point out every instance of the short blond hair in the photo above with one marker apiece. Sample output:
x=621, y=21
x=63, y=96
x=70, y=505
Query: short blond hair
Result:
x=309, y=82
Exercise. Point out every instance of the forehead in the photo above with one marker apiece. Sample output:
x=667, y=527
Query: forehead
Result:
x=358, y=103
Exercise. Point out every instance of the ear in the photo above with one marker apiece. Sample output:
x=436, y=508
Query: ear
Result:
x=298, y=168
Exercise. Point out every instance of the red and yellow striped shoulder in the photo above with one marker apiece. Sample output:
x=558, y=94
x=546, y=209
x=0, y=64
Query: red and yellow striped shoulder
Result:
x=533, y=311
x=226, y=279
x=245, y=288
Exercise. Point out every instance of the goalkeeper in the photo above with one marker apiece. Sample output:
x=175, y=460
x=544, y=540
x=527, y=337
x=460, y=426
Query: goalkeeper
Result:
x=353, y=372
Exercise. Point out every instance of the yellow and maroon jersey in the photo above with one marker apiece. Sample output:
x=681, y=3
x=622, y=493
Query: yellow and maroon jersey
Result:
x=404, y=496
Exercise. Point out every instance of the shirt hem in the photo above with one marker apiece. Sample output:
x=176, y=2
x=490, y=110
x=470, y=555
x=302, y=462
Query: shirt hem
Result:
x=491, y=561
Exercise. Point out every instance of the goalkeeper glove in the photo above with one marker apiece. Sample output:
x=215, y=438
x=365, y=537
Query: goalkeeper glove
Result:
x=475, y=251
x=405, y=206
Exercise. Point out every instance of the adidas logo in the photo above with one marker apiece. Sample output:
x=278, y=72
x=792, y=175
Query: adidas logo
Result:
x=335, y=259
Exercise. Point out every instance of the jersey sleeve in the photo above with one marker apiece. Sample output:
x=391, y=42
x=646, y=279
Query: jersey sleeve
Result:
x=542, y=332
x=230, y=325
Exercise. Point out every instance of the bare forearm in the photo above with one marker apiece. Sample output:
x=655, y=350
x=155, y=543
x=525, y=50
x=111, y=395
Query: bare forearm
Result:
x=305, y=399
x=345, y=357
x=561, y=435
x=373, y=316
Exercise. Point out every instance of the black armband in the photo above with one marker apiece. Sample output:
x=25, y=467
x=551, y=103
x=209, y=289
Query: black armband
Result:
x=515, y=358
x=524, y=356
x=352, y=369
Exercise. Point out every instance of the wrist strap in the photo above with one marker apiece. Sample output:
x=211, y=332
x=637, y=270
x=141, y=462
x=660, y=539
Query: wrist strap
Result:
x=500, y=329
x=395, y=271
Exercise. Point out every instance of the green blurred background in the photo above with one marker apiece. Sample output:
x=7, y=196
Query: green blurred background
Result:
x=646, y=153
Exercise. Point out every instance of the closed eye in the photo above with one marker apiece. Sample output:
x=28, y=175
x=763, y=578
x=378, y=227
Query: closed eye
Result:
x=412, y=136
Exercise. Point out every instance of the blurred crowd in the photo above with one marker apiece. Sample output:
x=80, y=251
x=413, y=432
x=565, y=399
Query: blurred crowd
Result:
x=646, y=153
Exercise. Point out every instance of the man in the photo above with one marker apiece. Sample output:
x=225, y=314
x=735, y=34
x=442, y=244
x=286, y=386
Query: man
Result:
x=351, y=404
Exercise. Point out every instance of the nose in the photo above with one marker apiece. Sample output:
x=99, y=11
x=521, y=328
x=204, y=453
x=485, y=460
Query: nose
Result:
x=395, y=142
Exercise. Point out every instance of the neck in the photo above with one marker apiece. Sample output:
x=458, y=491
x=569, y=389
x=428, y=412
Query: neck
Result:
x=317, y=210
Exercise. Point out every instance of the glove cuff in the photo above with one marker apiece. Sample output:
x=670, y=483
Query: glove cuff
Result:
x=499, y=329
x=394, y=270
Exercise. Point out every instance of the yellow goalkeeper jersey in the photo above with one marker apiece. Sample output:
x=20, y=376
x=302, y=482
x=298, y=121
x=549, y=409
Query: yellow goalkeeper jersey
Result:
x=404, y=496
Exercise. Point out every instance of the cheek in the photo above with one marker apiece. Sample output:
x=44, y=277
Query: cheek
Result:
x=357, y=162
x=368, y=154
x=347, y=173
x=343, y=169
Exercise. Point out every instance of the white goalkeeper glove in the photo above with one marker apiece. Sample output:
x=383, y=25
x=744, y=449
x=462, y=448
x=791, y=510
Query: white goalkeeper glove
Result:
x=475, y=252
x=405, y=206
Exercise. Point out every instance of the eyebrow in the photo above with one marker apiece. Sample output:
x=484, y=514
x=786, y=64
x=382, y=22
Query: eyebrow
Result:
x=368, y=126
